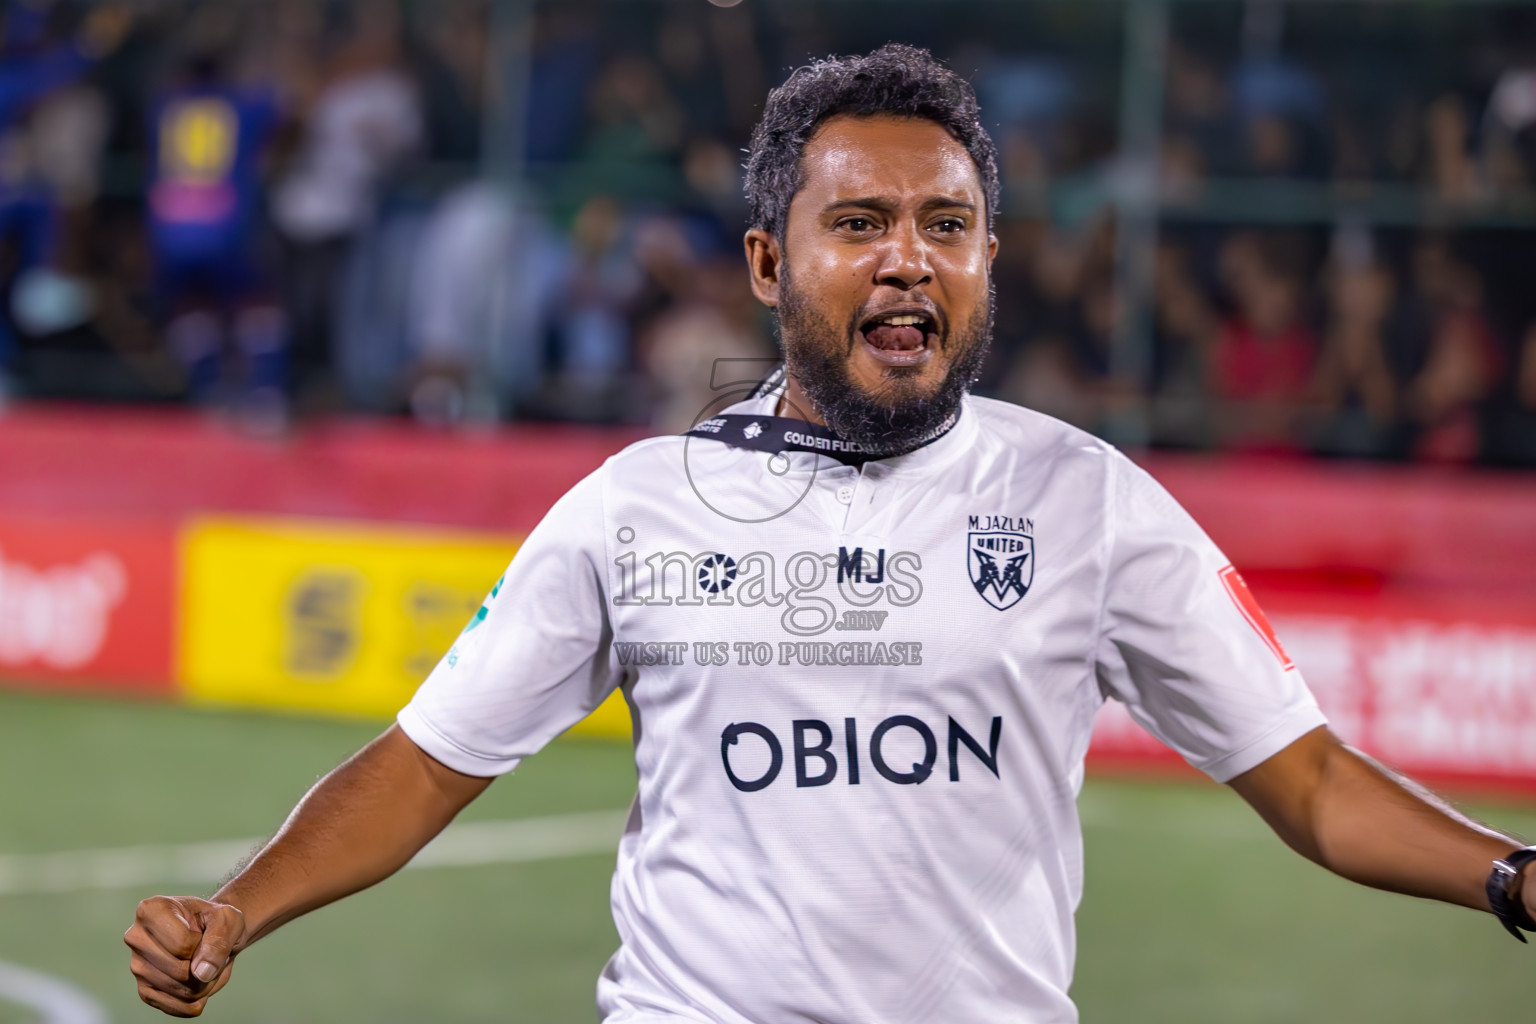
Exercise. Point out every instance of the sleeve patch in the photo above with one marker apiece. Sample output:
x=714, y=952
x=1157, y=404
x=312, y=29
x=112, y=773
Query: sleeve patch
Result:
x=1237, y=589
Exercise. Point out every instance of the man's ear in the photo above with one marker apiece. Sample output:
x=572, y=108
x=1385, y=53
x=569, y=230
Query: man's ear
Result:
x=991, y=249
x=765, y=264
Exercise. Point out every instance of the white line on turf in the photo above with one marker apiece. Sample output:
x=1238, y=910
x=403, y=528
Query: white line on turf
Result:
x=56, y=1000
x=462, y=845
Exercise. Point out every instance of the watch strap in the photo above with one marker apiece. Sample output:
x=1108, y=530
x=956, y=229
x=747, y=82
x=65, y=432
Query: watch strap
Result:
x=1506, y=870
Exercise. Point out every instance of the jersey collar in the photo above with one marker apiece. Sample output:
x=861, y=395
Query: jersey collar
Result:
x=765, y=401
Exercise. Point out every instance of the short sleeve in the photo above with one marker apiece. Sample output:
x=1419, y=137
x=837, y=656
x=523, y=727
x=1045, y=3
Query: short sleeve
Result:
x=534, y=660
x=1183, y=644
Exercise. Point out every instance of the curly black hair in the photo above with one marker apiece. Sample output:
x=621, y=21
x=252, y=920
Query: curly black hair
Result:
x=896, y=79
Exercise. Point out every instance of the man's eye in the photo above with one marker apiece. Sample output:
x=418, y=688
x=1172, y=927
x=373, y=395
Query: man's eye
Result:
x=857, y=224
x=949, y=225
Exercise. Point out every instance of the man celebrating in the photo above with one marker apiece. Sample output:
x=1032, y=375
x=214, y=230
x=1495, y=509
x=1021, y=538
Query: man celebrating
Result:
x=863, y=622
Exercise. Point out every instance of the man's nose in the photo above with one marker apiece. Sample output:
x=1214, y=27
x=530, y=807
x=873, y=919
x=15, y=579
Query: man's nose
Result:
x=905, y=263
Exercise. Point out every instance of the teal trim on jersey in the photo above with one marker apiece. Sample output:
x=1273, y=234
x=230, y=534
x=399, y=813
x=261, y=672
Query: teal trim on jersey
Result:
x=485, y=607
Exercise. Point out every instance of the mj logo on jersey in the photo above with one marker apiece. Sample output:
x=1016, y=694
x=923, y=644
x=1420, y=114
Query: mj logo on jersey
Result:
x=1001, y=559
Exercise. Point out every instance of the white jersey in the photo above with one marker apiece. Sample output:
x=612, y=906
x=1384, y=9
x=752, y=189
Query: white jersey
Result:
x=861, y=701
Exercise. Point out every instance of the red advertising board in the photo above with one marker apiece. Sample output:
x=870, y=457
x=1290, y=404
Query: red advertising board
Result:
x=1405, y=595
x=87, y=602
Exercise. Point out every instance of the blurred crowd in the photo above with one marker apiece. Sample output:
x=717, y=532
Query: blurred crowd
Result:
x=1342, y=342
x=1306, y=321
x=279, y=209
x=283, y=208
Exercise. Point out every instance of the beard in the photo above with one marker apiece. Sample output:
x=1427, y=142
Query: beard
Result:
x=900, y=413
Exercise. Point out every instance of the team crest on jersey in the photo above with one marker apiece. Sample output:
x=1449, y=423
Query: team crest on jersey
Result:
x=1001, y=564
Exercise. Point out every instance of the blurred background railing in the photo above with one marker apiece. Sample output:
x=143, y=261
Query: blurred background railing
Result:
x=1294, y=228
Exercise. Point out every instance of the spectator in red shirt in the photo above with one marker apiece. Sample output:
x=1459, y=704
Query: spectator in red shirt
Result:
x=1463, y=361
x=1261, y=364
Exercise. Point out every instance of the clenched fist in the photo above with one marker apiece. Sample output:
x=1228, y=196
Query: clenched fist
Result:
x=183, y=949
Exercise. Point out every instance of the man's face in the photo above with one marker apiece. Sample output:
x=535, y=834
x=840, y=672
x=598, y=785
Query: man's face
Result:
x=882, y=285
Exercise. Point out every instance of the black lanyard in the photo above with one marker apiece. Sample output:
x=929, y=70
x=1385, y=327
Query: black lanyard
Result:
x=776, y=434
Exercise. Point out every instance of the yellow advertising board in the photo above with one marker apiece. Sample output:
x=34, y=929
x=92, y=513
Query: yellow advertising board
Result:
x=345, y=618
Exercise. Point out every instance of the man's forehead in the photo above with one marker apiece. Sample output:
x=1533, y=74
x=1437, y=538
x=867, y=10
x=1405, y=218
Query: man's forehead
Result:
x=897, y=157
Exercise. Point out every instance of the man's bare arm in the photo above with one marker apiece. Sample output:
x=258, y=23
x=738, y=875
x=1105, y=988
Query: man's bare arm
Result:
x=357, y=826
x=1344, y=811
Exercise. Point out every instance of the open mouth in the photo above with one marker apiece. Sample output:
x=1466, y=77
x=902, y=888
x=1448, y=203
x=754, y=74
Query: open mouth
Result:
x=901, y=337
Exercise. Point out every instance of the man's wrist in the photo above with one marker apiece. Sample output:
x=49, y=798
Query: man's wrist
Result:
x=229, y=895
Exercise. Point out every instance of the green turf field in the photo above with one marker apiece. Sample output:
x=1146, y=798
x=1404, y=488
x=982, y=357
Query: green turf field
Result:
x=1193, y=911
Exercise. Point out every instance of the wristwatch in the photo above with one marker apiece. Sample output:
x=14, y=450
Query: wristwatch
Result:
x=1507, y=908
